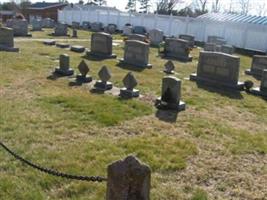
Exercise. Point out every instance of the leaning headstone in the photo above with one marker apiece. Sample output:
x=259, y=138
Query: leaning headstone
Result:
x=63, y=45
x=101, y=45
x=64, y=66
x=74, y=33
x=259, y=63
x=20, y=27
x=7, y=40
x=61, y=30
x=37, y=25
x=138, y=37
x=262, y=90
x=48, y=23
x=84, y=69
x=77, y=48
x=75, y=25
x=127, y=30
x=96, y=26
x=139, y=30
x=177, y=48
x=219, y=70
x=103, y=84
x=189, y=38
x=136, y=53
x=170, y=95
x=111, y=28
x=129, y=90
x=229, y=49
x=50, y=42
x=169, y=67
x=156, y=36
x=128, y=179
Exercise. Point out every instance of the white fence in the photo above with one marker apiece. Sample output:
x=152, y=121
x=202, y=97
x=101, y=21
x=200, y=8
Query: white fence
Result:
x=241, y=35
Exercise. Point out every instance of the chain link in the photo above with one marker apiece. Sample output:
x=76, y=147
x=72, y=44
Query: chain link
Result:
x=54, y=172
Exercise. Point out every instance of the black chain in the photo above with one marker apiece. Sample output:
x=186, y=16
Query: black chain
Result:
x=54, y=172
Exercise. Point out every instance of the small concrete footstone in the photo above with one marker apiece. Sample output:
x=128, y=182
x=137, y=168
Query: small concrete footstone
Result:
x=50, y=42
x=77, y=48
x=63, y=45
x=262, y=90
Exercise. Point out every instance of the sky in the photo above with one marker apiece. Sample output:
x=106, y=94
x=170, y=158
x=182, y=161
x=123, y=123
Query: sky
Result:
x=121, y=4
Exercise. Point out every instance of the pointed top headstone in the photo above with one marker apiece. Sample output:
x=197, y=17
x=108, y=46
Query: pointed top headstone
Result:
x=83, y=68
x=169, y=67
x=130, y=81
x=104, y=74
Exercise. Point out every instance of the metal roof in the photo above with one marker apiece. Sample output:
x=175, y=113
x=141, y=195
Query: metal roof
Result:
x=262, y=20
x=45, y=5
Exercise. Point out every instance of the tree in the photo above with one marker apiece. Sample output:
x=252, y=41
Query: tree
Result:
x=131, y=6
x=145, y=4
x=166, y=7
x=216, y=6
x=244, y=6
x=100, y=2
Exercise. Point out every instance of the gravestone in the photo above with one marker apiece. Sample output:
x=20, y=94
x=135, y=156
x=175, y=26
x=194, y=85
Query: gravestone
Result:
x=262, y=90
x=101, y=45
x=37, y=25
x=48, y=23
x=20, y=27
x=74, y=33
x=103, y=84
x=7, y=40
x=111, y=28
x=177, y=48
x=77, y=48
x=139, y=30
x=138, y=37
x=127, y=30
x=169, y=67
x=128, y=179
x=189, y=38
x=219, y=70
x=64, y=66
x=259, y=63
x=75, y=25
x=84, y=69
x=96, y=26
x=136, y=53
x=50, y=42
x=229, y=49
x=63, y=45
x=129, y=90
x=210, y=47
x=86, y=25
x=216, y=40
x=61, y=30
x=170, y=95
x=156, y=36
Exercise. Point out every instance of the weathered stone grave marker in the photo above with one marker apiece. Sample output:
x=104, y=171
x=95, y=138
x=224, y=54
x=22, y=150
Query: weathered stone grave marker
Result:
x=219, y=70
x=74, y=33
x=229, y=49
x=189, y=38
x=50, y=42
x=127, y=30
x=75, y=25
x=216, y=40
x=170, y=95
x=128, y=179
x=262, y=90
x=64, y=66
x=139, y=30
x=96, y=26
x=136, y=53
x=111, y=28
x=177, y=48
x=84, y=69
x=259, y=63
x=20, y=27
x=101, y=45
x=48, y=23
x=138, y=37
x=86, y=25
x=77, y=48
x=61, y=30
x=103, y=84
x=7, y=40
x=37, y=25
x=169, y=67
x=156, y=36
x=129, y=90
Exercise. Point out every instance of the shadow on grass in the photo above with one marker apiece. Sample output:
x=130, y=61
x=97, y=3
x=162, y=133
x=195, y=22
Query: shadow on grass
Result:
x=130, y=67
x=231, y=93
x=93, y=58
x=75, y=83
x=54, y=76
x=167, y=115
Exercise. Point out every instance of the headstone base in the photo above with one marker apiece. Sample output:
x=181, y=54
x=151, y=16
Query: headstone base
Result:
x=122, y=61
x=194, y=77
x=8, y=49
x=62, y=45
x=99, y=85
x=77, y=48
x=68, y=72
x=254, y=72
x=83, y=79
x=105, y=56
x=50, y=42
x=258, y=92
x=127, y=94
x=181, y=58
x=168, y=106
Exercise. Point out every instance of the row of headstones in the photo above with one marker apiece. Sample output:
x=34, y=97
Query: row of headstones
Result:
x=218, y=44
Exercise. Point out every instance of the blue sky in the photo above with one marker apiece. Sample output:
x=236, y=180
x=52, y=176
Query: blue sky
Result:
x=121, y=4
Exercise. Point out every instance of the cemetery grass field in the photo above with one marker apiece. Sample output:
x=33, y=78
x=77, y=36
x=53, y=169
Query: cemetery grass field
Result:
x=215, y=150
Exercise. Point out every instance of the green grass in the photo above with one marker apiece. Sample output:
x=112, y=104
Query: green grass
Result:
x=73, y=130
